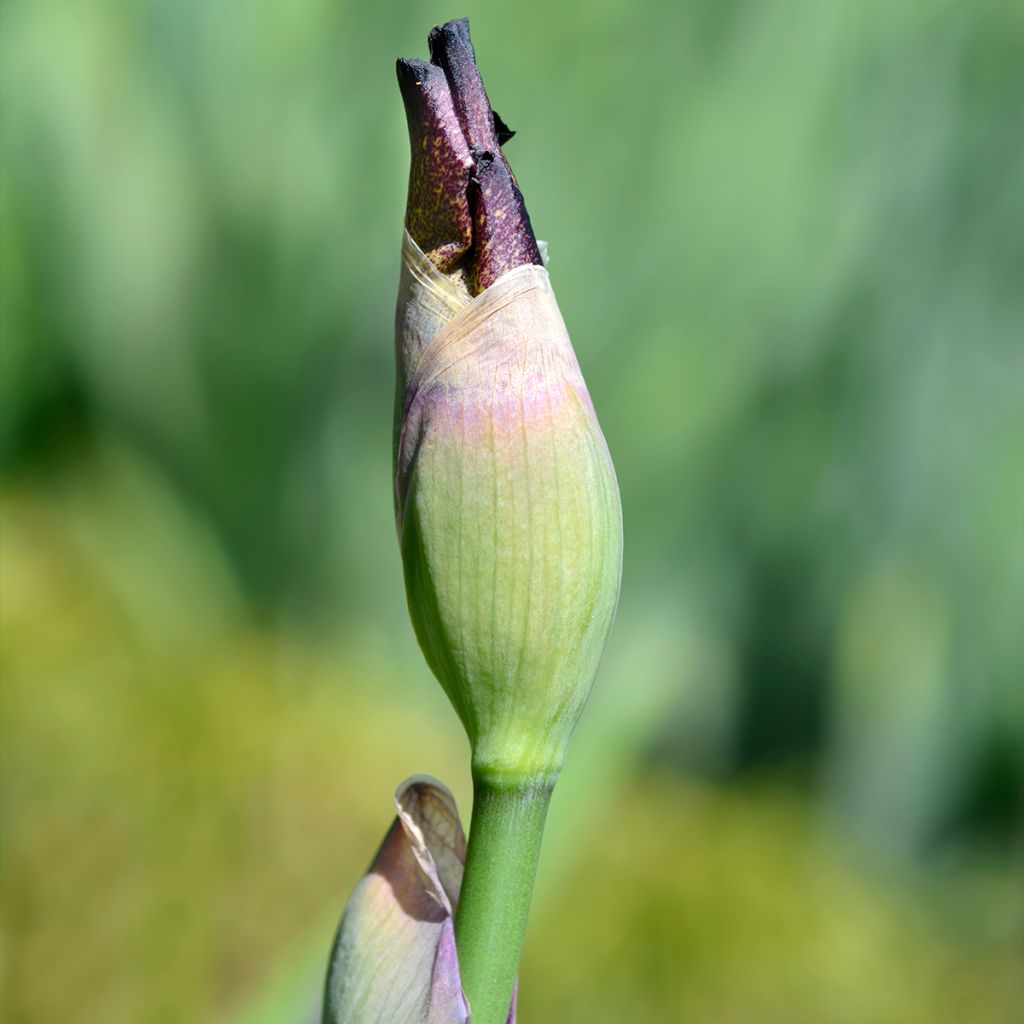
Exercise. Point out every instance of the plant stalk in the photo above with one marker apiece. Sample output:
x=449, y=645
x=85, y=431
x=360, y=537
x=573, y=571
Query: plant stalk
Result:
x=501, y=864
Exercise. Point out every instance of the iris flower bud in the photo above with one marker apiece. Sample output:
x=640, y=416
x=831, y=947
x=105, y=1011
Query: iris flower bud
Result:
x=506, y=500
x=394, y=955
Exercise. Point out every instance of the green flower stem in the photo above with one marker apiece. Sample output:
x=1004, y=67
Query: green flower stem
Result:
x=501, y=863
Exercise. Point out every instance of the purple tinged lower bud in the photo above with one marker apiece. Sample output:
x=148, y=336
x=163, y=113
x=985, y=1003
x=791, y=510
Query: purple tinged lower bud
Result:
x=394, y=957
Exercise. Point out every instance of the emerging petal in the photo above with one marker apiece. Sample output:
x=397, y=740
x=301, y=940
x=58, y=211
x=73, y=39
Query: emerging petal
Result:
x=394, y=957
x=465, y=210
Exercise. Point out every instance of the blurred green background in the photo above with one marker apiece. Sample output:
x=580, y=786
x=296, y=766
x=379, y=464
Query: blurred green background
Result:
x=787, y=240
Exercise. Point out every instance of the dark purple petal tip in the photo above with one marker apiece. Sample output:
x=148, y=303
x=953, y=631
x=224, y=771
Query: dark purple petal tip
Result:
x=465, y=210
x=452, y=50
x=502, y=236
x=437, y=213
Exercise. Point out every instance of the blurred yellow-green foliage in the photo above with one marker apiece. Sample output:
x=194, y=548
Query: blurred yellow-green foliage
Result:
x=787, y=241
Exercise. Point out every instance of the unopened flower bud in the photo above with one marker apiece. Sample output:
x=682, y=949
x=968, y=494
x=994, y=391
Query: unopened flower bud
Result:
x=507, y=505
x=394, y=955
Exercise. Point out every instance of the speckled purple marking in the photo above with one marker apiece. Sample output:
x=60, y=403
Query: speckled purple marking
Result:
x=437, y=212
x=465, y=210
x=503, y=238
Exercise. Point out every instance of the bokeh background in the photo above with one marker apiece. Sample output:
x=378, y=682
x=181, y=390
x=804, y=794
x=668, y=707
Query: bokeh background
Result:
x=787, y=240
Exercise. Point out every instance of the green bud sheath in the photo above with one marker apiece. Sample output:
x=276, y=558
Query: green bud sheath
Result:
x=508, y=512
